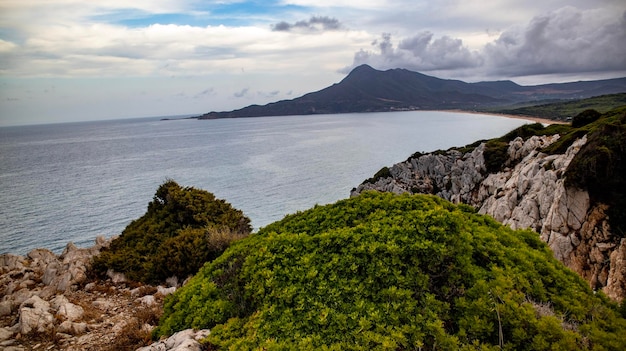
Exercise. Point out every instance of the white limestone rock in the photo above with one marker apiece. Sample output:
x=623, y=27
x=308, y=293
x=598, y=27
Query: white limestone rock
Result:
x=35, y=316
x=185, y=340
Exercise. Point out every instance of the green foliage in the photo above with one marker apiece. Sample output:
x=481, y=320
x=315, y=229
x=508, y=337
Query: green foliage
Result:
x=182, y=229
x=585, y=117
x=563, y=110
x=392, y=272
x=382, y=173
x=600, y=166
x=524, y=132
x=495, y=155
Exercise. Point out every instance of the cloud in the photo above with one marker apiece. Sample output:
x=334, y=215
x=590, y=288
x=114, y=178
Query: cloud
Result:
x=568, y=40
x=243, y=92
x=270, y=94
x=314, y=24
x=205, y=93
x=421, y=52
x=563, y=41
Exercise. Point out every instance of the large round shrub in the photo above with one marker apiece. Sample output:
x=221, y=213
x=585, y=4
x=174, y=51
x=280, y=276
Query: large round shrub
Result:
x=392, y=272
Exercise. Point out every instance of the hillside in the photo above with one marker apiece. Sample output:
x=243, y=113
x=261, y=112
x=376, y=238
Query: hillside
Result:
x=368, y=90
x=387, y=272
x=563, y=110
x=565, y=182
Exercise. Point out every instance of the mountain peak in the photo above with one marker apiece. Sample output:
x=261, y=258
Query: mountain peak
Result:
x=363, y=68
x=360, y=71
x=366, y=89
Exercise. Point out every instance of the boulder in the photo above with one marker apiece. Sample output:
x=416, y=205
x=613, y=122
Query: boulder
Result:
x=616, y=280
x=147, y=300
x=186, y=340
x=66, y=310
x=6, y=308
x=72, y=328
x=166, y=291
x=34, y=316
x=6, y=334
x=10, y=262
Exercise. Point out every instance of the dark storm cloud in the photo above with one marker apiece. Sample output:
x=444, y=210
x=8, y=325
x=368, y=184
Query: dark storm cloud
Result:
x=569, y=40
x=564, y=41
x=421, y=52
x=314, y=24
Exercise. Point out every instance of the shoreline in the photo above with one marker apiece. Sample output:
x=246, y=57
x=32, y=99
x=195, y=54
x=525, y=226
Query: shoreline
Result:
x=529, y=118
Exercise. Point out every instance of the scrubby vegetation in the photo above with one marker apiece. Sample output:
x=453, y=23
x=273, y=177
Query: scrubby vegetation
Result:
x=392, y=272
x=382, y=173
x=585, y=117
x=495, y=153
x=182, y=229
x=600, y=165
x=563, y=109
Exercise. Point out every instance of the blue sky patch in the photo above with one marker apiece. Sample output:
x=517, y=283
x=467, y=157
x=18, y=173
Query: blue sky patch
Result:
x=228, y=14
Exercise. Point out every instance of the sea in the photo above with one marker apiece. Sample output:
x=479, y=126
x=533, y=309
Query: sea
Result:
x=72, y=182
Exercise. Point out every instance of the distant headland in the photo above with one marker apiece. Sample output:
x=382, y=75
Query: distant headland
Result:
x=366, y=89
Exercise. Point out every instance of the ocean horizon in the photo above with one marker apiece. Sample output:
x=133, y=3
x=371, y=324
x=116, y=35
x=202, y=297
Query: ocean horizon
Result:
x=73, y=181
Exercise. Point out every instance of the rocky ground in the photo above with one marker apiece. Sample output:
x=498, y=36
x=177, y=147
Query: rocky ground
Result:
x=48, y=302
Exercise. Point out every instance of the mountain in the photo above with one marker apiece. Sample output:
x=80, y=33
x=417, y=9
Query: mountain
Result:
x=369, y=90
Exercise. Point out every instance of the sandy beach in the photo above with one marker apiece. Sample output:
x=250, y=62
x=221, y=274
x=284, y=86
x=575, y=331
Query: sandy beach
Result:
x=528, y=118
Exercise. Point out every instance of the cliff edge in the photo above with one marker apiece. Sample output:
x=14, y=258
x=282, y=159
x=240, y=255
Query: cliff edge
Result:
x=526, y=182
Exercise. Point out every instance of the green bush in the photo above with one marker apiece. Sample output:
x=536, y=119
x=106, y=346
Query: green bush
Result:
x=392, y=272
x=182, y=229
x=600, y=166
x=495, y=155
x=524, y=132
x=382, y=173
x=585, y=117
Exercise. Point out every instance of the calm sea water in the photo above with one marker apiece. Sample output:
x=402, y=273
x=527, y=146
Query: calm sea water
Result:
x=73, y=182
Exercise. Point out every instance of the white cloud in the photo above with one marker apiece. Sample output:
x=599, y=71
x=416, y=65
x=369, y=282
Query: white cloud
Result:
x=108, y=50
x=7, y=46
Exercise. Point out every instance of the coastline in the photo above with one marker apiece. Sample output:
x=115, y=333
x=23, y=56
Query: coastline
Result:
x=529, y=118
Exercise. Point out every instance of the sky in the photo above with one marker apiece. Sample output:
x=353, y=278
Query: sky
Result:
x=77, y=60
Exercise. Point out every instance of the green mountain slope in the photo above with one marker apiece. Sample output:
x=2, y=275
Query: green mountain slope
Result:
x=566, y=109
x=392, y=272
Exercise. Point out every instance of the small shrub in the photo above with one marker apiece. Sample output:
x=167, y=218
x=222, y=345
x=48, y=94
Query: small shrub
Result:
x=524, y=132
x=181, y=230
x=585, y=117
x=382, y=173
x=134, y=335
x=495, y=155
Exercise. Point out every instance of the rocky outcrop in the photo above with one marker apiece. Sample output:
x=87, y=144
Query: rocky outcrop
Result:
x=529, y=193
x=48, y=302
x=186, y=340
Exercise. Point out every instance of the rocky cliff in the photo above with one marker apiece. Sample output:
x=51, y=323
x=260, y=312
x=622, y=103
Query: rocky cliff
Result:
x=529, y=191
